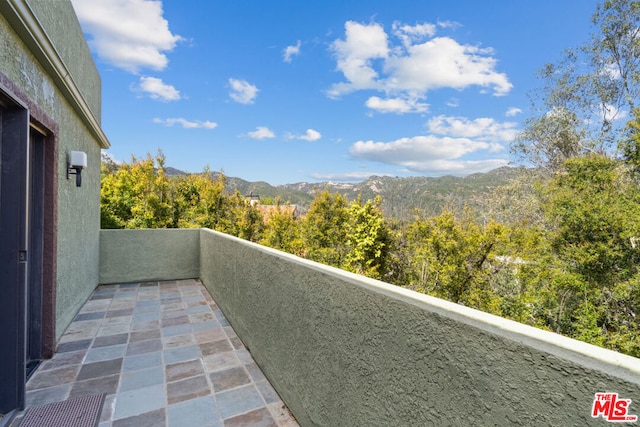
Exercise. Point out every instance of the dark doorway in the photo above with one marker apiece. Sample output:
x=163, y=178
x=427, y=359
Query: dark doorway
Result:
x=14, y=148
x=35, y=235
x=22, y=223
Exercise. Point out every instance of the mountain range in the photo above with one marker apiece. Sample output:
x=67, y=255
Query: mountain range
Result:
x=400, y=196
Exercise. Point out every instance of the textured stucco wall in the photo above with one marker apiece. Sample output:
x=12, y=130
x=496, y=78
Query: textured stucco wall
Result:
x=64, y=30
x=345, y=350
x=143, y=255
x=78, y=208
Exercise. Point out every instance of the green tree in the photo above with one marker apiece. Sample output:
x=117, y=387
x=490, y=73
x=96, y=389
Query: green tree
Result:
x=282, y=231
x=323, y=229
x=241, y=219
x=585, y=94
x=455, y=258
x=199, y=200
x=369, y=242
x=136, y=195
x=588, y=276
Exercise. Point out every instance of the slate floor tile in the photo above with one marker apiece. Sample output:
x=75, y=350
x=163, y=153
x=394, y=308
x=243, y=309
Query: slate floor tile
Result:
x=257, y=418
x=200, y=412
x=89, y=316
x=212, y=347
x=144, y=335
x=141, y=378
x=145, y=325
x=148, y=419
x=180, y=354
x=209, y=335
x=137, y=402
x=189, y=388
x=142, y=361
x=52, y=378
x=267, y=391
x=220, y=361
x=182, y=370
x=107, y=385
x=110, y=340
x=178, y=341
x=229, y=378
x=48, y=395
x=100, y=369
x=159, y=351
x=74, y=345
x=62, y=360
x=238, y=400
x=105, y=353
x=141, y=347
x=170, y=331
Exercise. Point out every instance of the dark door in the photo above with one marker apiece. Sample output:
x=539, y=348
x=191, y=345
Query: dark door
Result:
x=35, y=235
x=14, y=155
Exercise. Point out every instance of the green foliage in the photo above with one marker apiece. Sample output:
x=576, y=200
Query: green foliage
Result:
x=577, y=110
x=323, y=229
x=368, y=239
x=140, y=195
x=282, y=231
x=594, y=209
x=199, y=200
x=136, y=195
x=564, y=256
x=631, y=145
x=455, y=258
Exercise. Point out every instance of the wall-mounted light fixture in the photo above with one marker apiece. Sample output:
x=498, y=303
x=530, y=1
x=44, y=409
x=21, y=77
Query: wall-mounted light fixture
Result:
x=76, y=162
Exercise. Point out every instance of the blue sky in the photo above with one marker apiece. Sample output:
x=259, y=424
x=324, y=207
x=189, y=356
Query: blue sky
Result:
x=291, y=91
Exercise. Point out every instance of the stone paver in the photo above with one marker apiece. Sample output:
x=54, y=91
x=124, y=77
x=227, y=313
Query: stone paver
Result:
x=165, y=355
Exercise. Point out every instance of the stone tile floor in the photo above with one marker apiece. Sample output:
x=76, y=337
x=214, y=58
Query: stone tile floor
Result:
x=165, y=355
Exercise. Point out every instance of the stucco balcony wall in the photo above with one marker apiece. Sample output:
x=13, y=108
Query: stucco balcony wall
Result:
x=342, y=349
x=149, y=255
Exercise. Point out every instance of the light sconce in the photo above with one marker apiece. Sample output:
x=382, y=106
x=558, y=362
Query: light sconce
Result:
x=76, y=162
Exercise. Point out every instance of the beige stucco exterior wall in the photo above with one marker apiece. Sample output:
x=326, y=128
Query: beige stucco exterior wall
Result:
x=78, y=215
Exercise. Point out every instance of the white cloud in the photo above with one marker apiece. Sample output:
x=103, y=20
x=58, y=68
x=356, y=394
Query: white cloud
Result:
x=187, y=124
x=396, y=105
x=513, y=111
x=444, y=63
x=483, y=129
x=453, y=103
x=157, y=89
x=261, y=132
x=242, y=91
x=412, y=34
x=129, y=34
x=310, y=135
x=446, y=149
x=290, y=51
x=415, y=65
x=428, y=154
x=354, y=54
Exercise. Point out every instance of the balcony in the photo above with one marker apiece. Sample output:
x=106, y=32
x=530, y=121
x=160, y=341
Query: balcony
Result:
x=164, y=355
x=341, y=349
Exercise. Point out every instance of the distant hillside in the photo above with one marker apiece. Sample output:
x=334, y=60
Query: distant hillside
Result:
x=401, y=196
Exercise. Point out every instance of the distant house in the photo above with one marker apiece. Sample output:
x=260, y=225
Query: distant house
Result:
x=50, y=108
x=268, y=210
x=253, y=199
